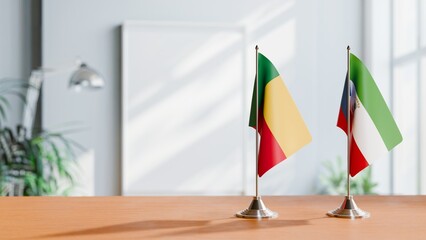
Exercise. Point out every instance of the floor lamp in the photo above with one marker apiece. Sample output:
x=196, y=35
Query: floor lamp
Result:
x=82, y=77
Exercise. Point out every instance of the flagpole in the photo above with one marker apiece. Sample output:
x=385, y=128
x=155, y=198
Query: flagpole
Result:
x=257, y=123
x=348, y=209
x=348, y=86
x=257, y=208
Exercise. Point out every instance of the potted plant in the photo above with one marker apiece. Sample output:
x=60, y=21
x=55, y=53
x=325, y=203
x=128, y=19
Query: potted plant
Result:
x=37, y=164
x=333, y=180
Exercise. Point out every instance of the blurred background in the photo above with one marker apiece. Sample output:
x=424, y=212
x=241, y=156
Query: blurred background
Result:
x=172, y=116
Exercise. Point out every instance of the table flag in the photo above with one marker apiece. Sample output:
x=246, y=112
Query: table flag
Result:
x=281, y=127
x=374, y=131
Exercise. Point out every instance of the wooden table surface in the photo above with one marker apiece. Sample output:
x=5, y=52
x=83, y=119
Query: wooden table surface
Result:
x=301, y=217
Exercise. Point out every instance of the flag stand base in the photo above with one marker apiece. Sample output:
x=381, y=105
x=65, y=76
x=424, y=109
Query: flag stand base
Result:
x=257, y=209
x=348, y=209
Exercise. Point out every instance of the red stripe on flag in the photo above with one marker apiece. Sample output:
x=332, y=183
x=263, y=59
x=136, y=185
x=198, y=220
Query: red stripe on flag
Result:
x=270, y=152
x=341, y=121
x=358, y=162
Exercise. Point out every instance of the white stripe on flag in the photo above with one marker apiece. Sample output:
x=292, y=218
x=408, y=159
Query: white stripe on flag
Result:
x=366, y=135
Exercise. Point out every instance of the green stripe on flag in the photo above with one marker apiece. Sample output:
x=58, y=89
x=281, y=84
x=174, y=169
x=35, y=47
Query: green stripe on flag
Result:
x=373, y=101
x=267, y=72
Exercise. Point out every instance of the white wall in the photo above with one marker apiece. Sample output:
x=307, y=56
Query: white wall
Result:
x=305, y=39
x=15, y=48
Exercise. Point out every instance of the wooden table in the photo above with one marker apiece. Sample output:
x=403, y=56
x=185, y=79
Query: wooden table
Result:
x=301, y=217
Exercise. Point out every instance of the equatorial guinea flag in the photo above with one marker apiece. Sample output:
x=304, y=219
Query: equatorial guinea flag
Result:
x=374, y=131
x=281, y=128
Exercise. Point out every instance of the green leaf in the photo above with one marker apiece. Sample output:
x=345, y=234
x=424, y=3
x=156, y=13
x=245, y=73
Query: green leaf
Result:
x=30, y=182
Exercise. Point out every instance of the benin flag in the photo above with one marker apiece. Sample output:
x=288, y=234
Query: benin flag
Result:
x=374, y=131
x=281, y=128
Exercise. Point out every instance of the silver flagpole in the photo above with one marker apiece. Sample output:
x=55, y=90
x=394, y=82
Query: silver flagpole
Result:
x=257, y=121
x=257, y=208
x=349, y=130
x=348, y=209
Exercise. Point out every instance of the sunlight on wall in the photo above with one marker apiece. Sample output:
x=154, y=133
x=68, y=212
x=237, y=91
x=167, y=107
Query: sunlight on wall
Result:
x=218, y=43
x=266, y=13
x=186, y=113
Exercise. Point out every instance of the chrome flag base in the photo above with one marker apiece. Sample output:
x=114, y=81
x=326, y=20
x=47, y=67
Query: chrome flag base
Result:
x=257, y=209
x=348, y=209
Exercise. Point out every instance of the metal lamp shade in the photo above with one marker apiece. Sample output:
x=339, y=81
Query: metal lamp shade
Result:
x=86, y=77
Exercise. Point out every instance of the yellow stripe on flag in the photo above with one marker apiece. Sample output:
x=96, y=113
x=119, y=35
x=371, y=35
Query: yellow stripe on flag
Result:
x=283, y=118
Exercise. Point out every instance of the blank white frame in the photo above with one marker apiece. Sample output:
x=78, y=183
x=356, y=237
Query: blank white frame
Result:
x=167, y=26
